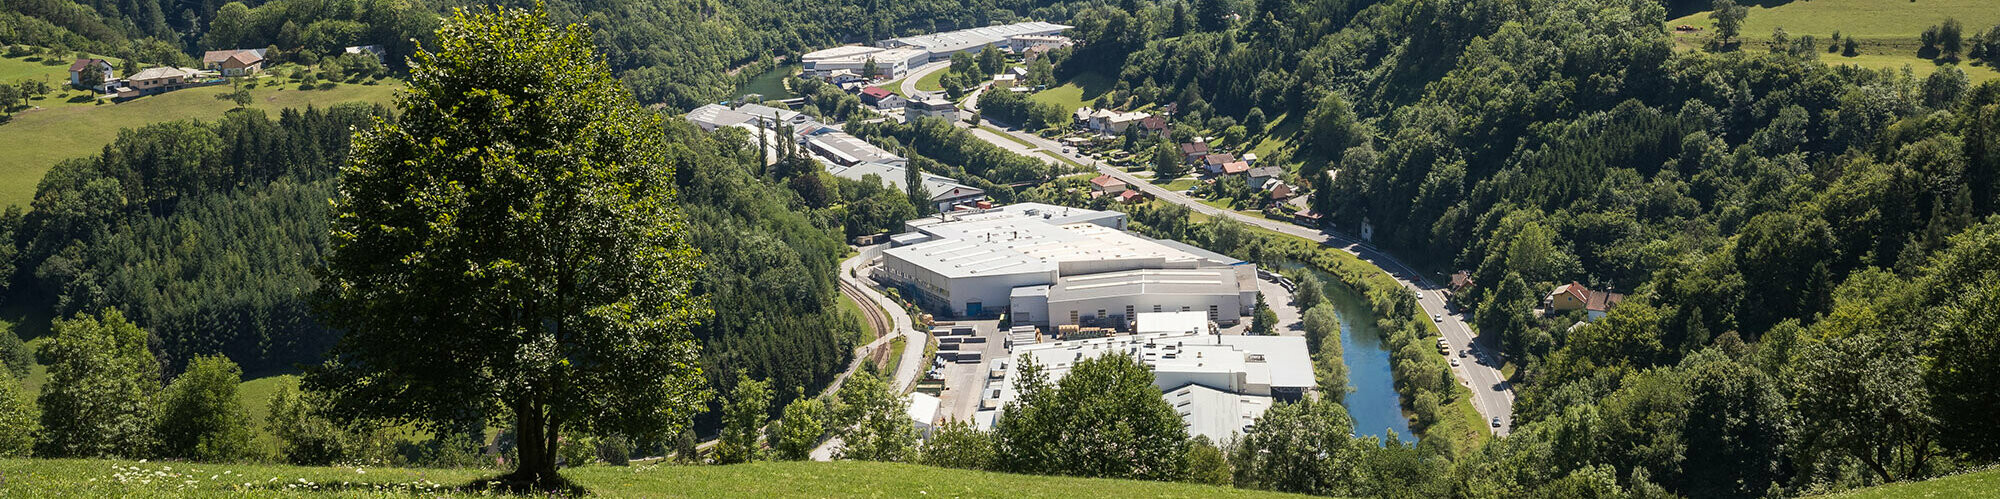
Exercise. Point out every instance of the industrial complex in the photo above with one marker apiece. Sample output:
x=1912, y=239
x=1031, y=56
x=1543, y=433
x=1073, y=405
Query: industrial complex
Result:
x=895, y=57
x=1052, y=265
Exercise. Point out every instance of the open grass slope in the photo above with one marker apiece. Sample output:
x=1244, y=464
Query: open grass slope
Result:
x=1077, y=92
x=1887, y=31
x=106, y=478
x=1976, y=484
x=36, y=140
x=1867, y=19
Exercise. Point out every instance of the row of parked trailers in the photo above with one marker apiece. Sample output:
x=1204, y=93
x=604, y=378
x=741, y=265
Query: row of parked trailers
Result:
x=952, y=341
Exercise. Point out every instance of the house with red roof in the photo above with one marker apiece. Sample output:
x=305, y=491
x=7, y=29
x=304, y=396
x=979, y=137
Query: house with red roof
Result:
x=1575, y=296
x=1106, y=185
x=881, y=98
x=240, y=62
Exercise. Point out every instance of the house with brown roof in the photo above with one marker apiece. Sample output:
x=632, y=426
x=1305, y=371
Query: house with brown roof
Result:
x=1193, y=151
x=1575, y=296
x=1130, y=195
x=1460, y=281
x=160, y=79
x=1235, y=167
x=1213, y=162
x=239, y=62
x=81, y=67
x=1106, y=185
x=1279, y=191
x=1154, y=125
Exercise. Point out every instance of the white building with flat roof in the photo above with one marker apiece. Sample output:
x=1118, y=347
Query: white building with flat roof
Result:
x=1219, y=384
x=942, y=45
x=848, y=150
x=889, y=62
x=1040, y=262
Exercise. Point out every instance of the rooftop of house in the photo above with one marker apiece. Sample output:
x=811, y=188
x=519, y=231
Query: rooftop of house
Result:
x=1235, y=167
x=1218, y=159
x=1106, y=181
x=83, y=63
x=1265, y=171
x=1192, y=148
x=218, y=56
x=163, y=72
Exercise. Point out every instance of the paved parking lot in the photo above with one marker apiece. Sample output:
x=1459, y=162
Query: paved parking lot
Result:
x=963, y=382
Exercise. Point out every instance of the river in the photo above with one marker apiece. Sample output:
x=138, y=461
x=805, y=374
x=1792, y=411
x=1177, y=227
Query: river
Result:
x=1373, y=402
x=770, y=83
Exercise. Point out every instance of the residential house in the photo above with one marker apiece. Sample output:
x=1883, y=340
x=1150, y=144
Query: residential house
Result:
x=1262, y=174
x=81, y=67
x=1154, y=125
x=155, y=80
x=1193, y=151
x=1106, y=185
x=374, y=51
x=1279, y=191
x=240, y=62
x=1111, y=122
x=1575, y=296
x=882, y=98
x=1130, y=195
x=1213, y=162
x=1235, y=167
x=1460, y=281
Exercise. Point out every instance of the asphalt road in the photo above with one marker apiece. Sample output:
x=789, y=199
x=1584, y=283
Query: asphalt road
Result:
x=1492, y=395
x=909, y=83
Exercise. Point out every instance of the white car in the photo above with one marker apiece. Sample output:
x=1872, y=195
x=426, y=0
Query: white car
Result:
x=1454, y=362
x=1437, y=318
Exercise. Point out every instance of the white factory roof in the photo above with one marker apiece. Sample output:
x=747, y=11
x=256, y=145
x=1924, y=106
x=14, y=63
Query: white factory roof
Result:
x=939, y=186
x=1171, y=322
x=1273, y=361
x=850, y=149
x=1291, y=364
x=1219, y=415
x=1007, y=245
x=839, y=52
x=1146, y=282
x=953, y=41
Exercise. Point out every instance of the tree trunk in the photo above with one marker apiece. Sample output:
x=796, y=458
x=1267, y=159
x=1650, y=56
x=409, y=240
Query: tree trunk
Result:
x=535, y=464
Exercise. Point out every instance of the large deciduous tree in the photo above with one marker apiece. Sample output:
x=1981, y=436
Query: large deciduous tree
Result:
x=511, y=248
x=99, y=397
x=1104, y=419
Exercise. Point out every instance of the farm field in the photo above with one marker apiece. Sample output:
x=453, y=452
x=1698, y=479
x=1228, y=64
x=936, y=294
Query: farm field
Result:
x=38, y=139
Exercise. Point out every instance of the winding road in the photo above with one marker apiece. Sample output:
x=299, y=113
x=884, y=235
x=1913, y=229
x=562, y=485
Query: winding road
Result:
x=1492, y=393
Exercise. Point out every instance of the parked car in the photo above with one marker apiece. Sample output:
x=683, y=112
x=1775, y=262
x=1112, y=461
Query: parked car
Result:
x=1496, y=421
x=1437, y=318
x=1462, y=353
x=1454, y=363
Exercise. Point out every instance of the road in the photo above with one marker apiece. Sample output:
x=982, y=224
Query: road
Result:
x=1492, y=394
x=911, y=364
x=909, y=83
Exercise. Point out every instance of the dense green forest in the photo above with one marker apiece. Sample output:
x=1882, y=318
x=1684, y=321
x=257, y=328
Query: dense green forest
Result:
x=1802, y=243
x=682, y=53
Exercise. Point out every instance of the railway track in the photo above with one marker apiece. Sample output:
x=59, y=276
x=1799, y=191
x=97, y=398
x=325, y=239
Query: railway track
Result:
x=877, y=320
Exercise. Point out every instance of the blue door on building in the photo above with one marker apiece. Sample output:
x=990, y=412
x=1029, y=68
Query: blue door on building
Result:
x=975, y=309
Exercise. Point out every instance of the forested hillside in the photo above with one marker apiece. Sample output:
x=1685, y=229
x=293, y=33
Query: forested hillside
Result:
x=1802, y=244
x=679, y=52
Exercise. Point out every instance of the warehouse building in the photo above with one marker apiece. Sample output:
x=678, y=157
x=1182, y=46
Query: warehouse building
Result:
x=848, y=150
x=1052, y=265
x=1219, y=384
x=941, y=46
x=945, y=193
x=889, y=62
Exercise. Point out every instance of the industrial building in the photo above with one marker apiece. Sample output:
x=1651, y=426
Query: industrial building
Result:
x=945, y=193
x=1219, y=384
x=941, y=46
x=847, y=150
x=1052, y=265
x=713, y=116
x=889, y=62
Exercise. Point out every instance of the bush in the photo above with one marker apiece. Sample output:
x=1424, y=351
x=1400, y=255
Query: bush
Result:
x=200, y=417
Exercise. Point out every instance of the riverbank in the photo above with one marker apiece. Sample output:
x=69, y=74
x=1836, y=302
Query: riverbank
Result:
x=1440, y=408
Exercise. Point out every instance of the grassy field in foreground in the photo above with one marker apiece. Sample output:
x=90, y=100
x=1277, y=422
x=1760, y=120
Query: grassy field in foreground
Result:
x=105, y=478
x=38, y=139
x=1976, y=484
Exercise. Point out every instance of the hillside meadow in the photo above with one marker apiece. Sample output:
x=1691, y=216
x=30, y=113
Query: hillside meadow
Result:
x=1886, y=31
x=37, y=139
